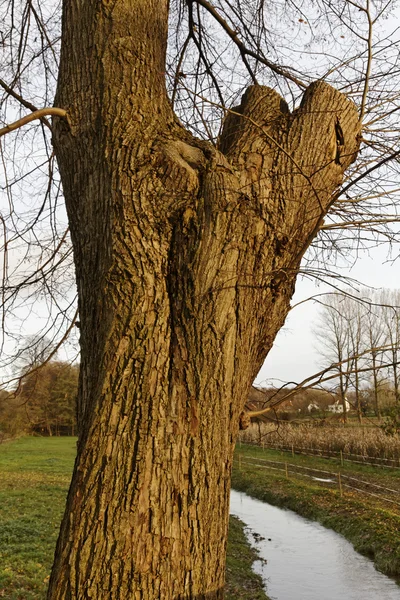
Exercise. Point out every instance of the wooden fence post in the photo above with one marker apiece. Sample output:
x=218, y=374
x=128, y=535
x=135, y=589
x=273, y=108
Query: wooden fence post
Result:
x=286, y=471
x=341, y=458
x=340, y=485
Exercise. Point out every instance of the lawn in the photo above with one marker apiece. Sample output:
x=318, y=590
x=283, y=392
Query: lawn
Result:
x=35, y=474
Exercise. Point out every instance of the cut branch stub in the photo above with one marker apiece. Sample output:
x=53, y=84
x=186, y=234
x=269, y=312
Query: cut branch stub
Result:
x=261, y=107
x=291, y=164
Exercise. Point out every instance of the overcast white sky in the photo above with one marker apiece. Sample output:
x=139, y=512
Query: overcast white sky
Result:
x=294, y=355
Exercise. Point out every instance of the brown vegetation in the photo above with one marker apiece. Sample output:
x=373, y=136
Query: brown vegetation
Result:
x=364, y=441
x=43, y=403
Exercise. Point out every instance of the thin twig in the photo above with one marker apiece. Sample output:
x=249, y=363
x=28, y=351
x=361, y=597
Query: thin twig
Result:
x=247, y=51
x=369, y=62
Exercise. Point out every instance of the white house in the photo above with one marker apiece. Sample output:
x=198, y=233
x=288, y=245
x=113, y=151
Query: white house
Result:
x=338, y=407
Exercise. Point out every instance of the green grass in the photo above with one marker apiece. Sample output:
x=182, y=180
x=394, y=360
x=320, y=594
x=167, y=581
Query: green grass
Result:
x=374, y=472
x=372, y=527
x=34, y=479
x=241, y=582
x=50, y=456
x=35, y=475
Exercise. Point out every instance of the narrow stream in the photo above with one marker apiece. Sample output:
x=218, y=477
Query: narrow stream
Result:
x=306, y=561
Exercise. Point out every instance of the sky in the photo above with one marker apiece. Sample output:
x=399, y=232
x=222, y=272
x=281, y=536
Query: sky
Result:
x=294, y=355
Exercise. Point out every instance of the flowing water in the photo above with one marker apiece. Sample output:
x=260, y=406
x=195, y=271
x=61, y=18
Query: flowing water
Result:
x=302, y=560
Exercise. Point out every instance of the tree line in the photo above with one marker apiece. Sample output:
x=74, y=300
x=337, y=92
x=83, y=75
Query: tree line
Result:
x=358, y=338
x=43, y=403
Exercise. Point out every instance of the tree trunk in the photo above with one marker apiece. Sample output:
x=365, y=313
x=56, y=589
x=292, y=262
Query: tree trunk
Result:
x=186, y=259
x=376, y=385
x=47, y=422
x=343, y=384
x=396, y=381
x=357, y=391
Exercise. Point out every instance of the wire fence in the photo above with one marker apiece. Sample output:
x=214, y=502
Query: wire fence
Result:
x=324, y=478
x=373, y=461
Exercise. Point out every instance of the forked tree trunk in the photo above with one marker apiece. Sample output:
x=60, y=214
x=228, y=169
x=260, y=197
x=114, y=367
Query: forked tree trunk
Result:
x=186, y=259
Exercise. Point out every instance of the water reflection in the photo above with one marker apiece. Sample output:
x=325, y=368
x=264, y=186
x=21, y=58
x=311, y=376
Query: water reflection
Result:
x=305, y=561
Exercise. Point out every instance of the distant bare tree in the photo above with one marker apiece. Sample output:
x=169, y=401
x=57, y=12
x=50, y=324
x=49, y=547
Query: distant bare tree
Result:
x=355, y=320
x=360, y=336
x=337, y=335
x=390, y=323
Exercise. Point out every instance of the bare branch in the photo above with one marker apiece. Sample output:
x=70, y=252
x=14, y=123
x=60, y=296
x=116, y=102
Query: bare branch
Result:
x=369, y=61
x=247, y=51
x=318, y=378
x=38, y=114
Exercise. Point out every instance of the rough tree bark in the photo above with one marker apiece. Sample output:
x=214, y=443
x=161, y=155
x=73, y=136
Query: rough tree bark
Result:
x=186, y=259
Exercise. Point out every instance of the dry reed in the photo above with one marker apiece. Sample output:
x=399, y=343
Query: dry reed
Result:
x=362, y=441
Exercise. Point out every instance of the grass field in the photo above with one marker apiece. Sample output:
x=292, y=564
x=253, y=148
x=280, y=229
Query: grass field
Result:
x=372, y=525
x=35, y=474
x=34, y=479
